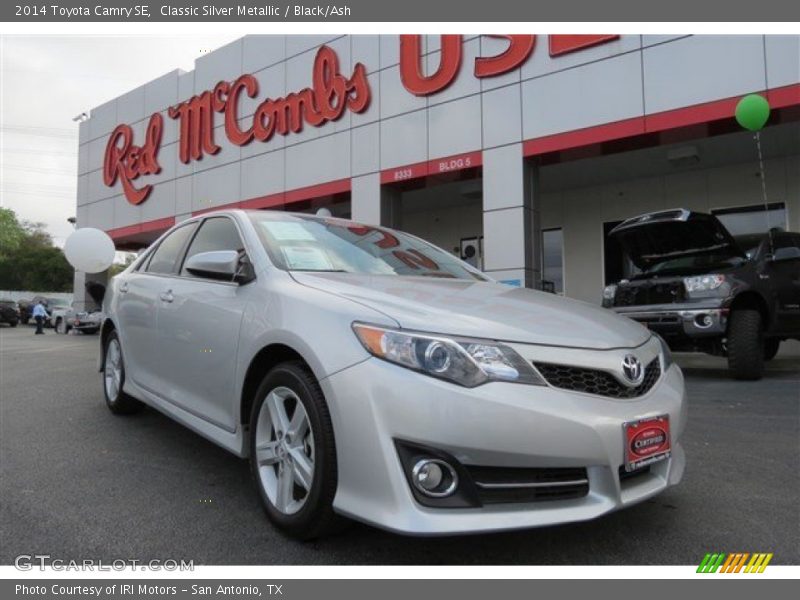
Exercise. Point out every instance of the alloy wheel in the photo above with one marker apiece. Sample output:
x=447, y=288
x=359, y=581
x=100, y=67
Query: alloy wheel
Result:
x=112, y=370
x=284, y=450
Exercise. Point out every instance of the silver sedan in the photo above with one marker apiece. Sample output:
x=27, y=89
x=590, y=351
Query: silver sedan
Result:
x=371, y=375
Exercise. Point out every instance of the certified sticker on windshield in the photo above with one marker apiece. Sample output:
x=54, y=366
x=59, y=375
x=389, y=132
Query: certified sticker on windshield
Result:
x=287, y=231
x=306, y=258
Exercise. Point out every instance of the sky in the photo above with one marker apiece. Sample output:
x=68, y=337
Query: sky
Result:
x=45, y=81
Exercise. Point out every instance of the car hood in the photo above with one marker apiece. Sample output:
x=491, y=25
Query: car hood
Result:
x=654, y=237
x=483, y=310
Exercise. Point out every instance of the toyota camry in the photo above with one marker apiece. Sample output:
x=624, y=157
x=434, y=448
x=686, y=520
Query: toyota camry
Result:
x=368, y=374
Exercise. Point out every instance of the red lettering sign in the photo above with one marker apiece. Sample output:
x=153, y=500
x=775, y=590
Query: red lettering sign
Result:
x=519, y=50
x=326, y=100
x=127, y=162
x=411, y=70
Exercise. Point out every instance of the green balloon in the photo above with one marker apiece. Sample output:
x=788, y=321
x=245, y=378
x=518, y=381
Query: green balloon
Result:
x=752, y=112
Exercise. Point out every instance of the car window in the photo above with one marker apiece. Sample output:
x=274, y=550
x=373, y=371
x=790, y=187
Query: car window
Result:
x=166, y=255
x=217, y=233
x=786, y=240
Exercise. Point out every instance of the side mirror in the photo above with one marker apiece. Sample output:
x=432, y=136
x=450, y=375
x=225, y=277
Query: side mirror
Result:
x=223, y=265
x=786, y=253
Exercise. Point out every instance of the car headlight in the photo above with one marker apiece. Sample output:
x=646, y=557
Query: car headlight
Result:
x=610, y=291
x=665, y=351
x=703, y=283
x=466, y=362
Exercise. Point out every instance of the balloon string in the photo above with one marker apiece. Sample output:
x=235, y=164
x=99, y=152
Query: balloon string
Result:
x=763, y=177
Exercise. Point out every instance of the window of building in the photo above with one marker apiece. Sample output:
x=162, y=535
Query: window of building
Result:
x=553, y=260
x=166, y=255
x=745, y=220
x=218, y=233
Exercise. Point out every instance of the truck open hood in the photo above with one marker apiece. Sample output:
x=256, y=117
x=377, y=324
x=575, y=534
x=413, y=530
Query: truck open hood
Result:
x=483, y=310
x=654, y=237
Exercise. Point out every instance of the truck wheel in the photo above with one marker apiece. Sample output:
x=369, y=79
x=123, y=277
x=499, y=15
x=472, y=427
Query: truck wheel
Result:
x=771, y=347
x=746, y=345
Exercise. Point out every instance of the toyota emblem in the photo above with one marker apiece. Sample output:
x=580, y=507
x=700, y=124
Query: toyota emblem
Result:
x=632, y=370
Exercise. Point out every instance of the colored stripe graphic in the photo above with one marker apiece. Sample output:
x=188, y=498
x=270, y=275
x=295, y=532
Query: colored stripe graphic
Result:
x=734, y=562
x=711, y=563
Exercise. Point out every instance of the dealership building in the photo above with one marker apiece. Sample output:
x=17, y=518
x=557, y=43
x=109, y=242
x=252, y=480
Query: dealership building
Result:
x=518, y=153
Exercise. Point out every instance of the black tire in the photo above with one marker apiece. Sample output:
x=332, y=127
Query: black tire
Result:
x=57, y=326
x=746, y=345
x=24, y=321
x=122, y=404
x=316, y=517
x=13, y=323
x=771, y=347
x=89, y=331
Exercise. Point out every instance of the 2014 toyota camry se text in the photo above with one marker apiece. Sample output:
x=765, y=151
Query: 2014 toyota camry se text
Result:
x=368, y=374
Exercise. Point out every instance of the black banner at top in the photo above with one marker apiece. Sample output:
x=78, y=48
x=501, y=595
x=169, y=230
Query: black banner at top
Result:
x=277, y=11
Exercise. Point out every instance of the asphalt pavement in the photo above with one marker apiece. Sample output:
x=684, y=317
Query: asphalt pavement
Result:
x=77, y=482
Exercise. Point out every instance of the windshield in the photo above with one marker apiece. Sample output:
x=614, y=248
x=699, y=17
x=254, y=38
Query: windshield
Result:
x=55, y=303
x=308, y=243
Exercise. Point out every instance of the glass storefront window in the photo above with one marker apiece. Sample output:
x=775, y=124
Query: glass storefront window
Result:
x=553, y=260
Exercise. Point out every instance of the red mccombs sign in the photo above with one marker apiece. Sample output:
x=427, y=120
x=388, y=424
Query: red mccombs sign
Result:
x=330, y=95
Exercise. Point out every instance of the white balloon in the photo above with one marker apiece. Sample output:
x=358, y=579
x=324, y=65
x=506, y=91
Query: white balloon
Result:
x=89, y=250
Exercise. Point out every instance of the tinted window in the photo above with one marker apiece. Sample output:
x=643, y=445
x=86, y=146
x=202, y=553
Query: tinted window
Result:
x=166, y=255
x=786, y=240
x=218, y=233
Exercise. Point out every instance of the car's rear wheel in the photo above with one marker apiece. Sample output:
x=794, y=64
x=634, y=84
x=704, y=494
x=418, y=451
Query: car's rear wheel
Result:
x=292, y=451
x=61, y=326
x=118, y=401
x=746, y=345
x=771, y=347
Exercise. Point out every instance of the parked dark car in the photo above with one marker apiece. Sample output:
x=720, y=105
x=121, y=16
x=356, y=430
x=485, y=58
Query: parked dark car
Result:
x=703, y=290
x=25, y=310
x=9, y=312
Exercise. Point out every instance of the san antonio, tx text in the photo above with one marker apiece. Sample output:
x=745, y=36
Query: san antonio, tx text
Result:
x=130, y=589
x=166, y=10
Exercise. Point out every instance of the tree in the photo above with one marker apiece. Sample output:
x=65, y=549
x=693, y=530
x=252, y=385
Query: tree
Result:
x=28, y=259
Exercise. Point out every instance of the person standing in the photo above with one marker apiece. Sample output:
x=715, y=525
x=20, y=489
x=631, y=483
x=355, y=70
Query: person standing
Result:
x=39, y=314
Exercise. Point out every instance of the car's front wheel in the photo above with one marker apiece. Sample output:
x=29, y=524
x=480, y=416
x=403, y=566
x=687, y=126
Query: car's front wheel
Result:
x=746, y=344
x=292, y=451
x=61, y=326
x=118, y=401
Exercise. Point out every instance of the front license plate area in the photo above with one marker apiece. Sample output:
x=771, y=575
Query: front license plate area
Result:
x=646, y=441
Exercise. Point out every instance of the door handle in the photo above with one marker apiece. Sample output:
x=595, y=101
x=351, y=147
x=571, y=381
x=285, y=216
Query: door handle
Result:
x=166, y=296
x=123, y=287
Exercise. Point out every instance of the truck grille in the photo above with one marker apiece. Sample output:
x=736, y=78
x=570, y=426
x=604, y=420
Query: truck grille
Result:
x=506, y=485
x=650, y=293
x=594, y=381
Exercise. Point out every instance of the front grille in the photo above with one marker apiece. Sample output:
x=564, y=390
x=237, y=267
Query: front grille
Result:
x=506, y=485
x=594, y=381
x=649, y=293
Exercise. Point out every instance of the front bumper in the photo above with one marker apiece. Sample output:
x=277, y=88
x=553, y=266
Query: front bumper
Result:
x=374, y=404
x=679, y=321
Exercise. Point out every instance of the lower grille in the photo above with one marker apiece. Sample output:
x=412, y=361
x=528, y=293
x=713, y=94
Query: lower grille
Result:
x=628, y=475
x=594, y=381
x=505, y=485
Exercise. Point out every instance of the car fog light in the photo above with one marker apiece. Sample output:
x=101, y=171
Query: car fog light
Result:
x=434, y=477
x=704, y=320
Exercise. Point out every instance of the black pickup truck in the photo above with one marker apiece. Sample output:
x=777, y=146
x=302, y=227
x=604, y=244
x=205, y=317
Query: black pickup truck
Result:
x=703, y=290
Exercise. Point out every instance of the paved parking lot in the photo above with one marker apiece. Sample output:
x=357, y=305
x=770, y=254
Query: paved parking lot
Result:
x=79, y=483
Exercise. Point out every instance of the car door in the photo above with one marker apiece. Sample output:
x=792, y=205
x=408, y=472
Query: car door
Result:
x=199, y=323
x=137, y=307
x=783, y=268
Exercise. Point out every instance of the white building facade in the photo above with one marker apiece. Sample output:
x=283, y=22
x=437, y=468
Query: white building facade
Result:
x=518, y=152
